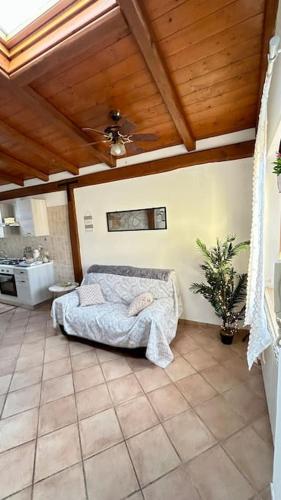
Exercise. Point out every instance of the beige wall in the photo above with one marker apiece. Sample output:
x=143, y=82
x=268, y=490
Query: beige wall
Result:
x=57, y=243
x=203, y=201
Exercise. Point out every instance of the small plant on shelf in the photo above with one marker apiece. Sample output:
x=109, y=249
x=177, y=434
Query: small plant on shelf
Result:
x=277, y=165
x=224, y=287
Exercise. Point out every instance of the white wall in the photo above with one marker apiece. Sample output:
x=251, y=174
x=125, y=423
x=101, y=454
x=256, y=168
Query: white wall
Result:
x=202, y=201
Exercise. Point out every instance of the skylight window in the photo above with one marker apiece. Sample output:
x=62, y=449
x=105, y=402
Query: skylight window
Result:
x=17, y=14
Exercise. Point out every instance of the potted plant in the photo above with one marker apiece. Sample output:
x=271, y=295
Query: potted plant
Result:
x=224, y=288
x=277, y=170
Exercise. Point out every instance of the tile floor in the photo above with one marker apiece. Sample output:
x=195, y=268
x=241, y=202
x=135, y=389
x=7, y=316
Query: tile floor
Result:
x=82, y=423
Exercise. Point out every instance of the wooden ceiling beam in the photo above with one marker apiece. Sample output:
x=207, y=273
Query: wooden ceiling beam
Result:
x=23, y=168
x=219, y=154
x=32, y=100
x=65, y=124
x=144, y=36
x=54, y=159
x=12, y=179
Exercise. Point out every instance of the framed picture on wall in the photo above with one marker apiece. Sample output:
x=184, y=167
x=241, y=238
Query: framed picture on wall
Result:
x=143, y=219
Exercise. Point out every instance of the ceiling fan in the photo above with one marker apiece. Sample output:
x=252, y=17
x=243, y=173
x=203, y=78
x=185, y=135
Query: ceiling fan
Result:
x=120, y=135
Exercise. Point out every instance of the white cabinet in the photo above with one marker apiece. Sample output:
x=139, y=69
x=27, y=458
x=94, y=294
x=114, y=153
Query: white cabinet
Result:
x=31, y=214
x=33, y=283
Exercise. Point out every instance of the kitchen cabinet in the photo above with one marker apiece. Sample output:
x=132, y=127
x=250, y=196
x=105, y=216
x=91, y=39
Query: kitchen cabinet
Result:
x=32, y=215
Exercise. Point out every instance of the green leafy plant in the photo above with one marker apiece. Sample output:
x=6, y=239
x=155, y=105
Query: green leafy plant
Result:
x=277, y=165
x=224, y=287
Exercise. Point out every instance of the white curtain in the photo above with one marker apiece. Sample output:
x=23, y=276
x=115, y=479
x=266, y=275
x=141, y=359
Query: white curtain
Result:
x=260, y=337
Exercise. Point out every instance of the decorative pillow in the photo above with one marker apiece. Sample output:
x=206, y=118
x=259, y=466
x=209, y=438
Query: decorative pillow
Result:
x=90, y=295
x=139, y=303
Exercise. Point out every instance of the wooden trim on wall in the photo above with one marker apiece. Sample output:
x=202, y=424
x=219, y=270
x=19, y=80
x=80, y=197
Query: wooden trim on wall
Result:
x=74, y=235
x=138, y=22
x=219, y=154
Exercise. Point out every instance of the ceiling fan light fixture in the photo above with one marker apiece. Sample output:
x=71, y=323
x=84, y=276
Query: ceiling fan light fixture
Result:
x=117, y=149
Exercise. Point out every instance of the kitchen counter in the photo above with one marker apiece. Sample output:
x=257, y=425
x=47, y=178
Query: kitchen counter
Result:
x=30, y=284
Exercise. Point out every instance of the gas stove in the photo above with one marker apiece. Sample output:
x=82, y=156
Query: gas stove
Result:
x=10, y=262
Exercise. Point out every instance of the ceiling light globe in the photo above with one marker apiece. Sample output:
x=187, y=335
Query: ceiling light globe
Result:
x=117, y=149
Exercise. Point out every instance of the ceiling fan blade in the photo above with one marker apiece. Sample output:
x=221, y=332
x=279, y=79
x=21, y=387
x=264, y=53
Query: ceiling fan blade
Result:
x=89, y=129
x=127, y=127
x=145, y=137
x=134, y=148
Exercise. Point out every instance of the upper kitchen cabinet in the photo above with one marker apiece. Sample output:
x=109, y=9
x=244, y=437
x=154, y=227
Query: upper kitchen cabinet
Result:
x=32, y=216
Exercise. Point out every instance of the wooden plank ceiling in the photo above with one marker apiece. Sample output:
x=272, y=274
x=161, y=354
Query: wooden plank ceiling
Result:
x=180, y=69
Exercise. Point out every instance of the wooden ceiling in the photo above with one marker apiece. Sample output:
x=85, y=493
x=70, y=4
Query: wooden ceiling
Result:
x=181, y=69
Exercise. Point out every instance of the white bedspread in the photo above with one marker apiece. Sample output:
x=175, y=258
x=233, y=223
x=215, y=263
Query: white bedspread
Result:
x=109, y=323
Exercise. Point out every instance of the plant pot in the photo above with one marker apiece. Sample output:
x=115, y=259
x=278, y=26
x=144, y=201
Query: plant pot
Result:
x=279, y=183
x=226, y=336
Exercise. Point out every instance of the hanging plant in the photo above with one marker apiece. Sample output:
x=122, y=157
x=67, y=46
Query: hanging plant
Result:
x=277, y=170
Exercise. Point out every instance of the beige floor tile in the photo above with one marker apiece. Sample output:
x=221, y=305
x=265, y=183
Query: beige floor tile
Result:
x=252, y=455
x=66, y=485
x=88, y=377
x=9, y=352
x=107, y=355
x=137, y=496
x=56, y=368
x=4, y=383
x=220, y=378
x=2, y=401
x=195, y=389
x=54, y=353
x=57, y=414
x=27, y=362
x=33, y=348
x=168, y=401
x=25, y=494
x=99, y=432
x=16, y=468
x=200, y=359
x=7, y=366
x=18, y=429
x=115, y=368
x=21, y=400
x=152, y=378
x=244, y=402
x=152, y=454
x=238, y=368
x=92, y=400
x=57, y=451
x=255, y=384
x=138, y=364
x=26, y=378
x=124, y=388
x=78, y=348
x=219, y=417
x=136, y=416
x=263, y=428
x=56, y=388
x=188, y=434
x=115, y=473
x=219, y=351
x=178, y=369
x=176, y=485
x=184, y=344
x=84, y=360
x=216, y=478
